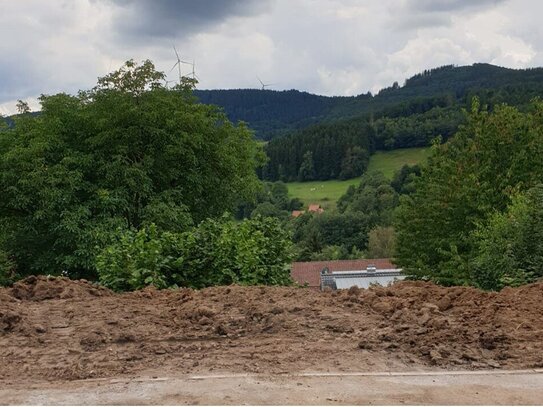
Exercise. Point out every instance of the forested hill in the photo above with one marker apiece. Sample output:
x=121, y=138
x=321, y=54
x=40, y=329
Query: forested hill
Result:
x=272, y=113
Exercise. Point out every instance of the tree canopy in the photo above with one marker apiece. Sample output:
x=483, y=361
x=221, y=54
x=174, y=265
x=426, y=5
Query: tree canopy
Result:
x=492, y=158
x=126, y=154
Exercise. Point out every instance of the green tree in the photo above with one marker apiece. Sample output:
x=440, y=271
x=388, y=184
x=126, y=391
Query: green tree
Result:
x=126, y=154
x=267, y=209
x=510, y=245
x=22, y=107
x=374, y=197
x=307, y=168
x=465, y=180
x=381, y=242
x=354, y=163
x=403, y=180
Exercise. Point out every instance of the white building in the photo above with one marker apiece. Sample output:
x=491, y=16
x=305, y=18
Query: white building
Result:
x=338, y=280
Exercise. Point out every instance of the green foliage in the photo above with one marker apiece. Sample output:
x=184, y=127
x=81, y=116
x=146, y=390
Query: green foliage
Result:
x=403, y=181
x=326, y=193
x=269, y=210
x=318, y=152
x=136, y=260
x=307, y=168
x=343, y=234
x=381, y=242
x=445, y=89
x=217, y=252
x=389, y=162
x=7, y=269
x=354, y=163
x=270, y=113
x=473, y=175
x=313, y=233
x=22, y=107
x=125, y=154
x=374, y=197
x=416, y=130
x=272, y=200
x=510, y=245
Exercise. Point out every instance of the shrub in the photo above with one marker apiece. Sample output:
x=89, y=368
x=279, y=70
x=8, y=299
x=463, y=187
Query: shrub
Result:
x=216, y=252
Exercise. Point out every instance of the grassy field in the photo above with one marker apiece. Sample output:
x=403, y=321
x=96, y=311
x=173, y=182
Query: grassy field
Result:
x=389, y=162
x=326, y=193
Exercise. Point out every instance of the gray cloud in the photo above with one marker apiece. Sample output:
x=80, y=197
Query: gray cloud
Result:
x=417, y=14
x=447, y=6
x=156, y=19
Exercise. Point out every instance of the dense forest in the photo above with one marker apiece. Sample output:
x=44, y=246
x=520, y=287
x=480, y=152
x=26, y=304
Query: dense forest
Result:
x=272, y=113
x=319, y=138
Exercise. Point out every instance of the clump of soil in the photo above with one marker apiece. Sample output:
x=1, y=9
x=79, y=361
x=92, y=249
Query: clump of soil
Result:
x=45, y=288
x=62, y=329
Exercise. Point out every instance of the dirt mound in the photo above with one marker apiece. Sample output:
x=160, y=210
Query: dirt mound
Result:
x=9, y=319
x=38, y=288
x=459, y=325
x=83, y=331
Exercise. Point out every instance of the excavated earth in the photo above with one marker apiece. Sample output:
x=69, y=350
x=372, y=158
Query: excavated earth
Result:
x=59, y=329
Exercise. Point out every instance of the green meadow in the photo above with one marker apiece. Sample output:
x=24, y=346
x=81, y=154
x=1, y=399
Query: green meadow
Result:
x=326, y=193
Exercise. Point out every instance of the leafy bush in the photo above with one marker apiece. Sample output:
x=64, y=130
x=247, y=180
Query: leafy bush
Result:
x=510, y=246
x=6, y=269
x=136, y=259
x=217, y=252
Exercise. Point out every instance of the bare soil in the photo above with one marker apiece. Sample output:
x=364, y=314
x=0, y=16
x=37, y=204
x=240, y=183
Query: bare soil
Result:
x=56, y=329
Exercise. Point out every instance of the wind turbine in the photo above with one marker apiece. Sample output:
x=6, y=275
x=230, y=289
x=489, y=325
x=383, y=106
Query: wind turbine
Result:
x=166, y=83
x=193, y=73
x=178, y=64
x=264, y=85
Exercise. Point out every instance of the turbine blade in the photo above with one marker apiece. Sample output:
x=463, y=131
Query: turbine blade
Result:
x=174, y=65
x=176, y=54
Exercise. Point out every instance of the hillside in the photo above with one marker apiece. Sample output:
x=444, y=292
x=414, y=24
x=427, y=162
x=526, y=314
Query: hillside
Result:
x=326, y=193
x=272, y=113
x=388, y=162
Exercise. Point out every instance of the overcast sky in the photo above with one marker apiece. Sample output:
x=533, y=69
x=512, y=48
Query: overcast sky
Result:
x=330, y=47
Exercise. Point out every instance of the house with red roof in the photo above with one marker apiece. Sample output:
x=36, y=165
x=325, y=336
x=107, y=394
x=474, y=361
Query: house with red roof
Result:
x=315, y=208
x=341, y=273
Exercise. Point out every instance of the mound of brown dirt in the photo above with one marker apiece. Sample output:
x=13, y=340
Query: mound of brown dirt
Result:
x=45, y=288
x=83, y=331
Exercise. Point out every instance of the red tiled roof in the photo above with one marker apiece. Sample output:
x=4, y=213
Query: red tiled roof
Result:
x=309, y=271
x=315, y=208
x=295, y=214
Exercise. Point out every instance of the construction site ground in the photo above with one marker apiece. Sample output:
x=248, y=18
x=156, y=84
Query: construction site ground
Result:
x=66, y=342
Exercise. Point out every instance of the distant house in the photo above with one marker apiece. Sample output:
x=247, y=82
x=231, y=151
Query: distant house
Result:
x=341, y=274
x=315, y=208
